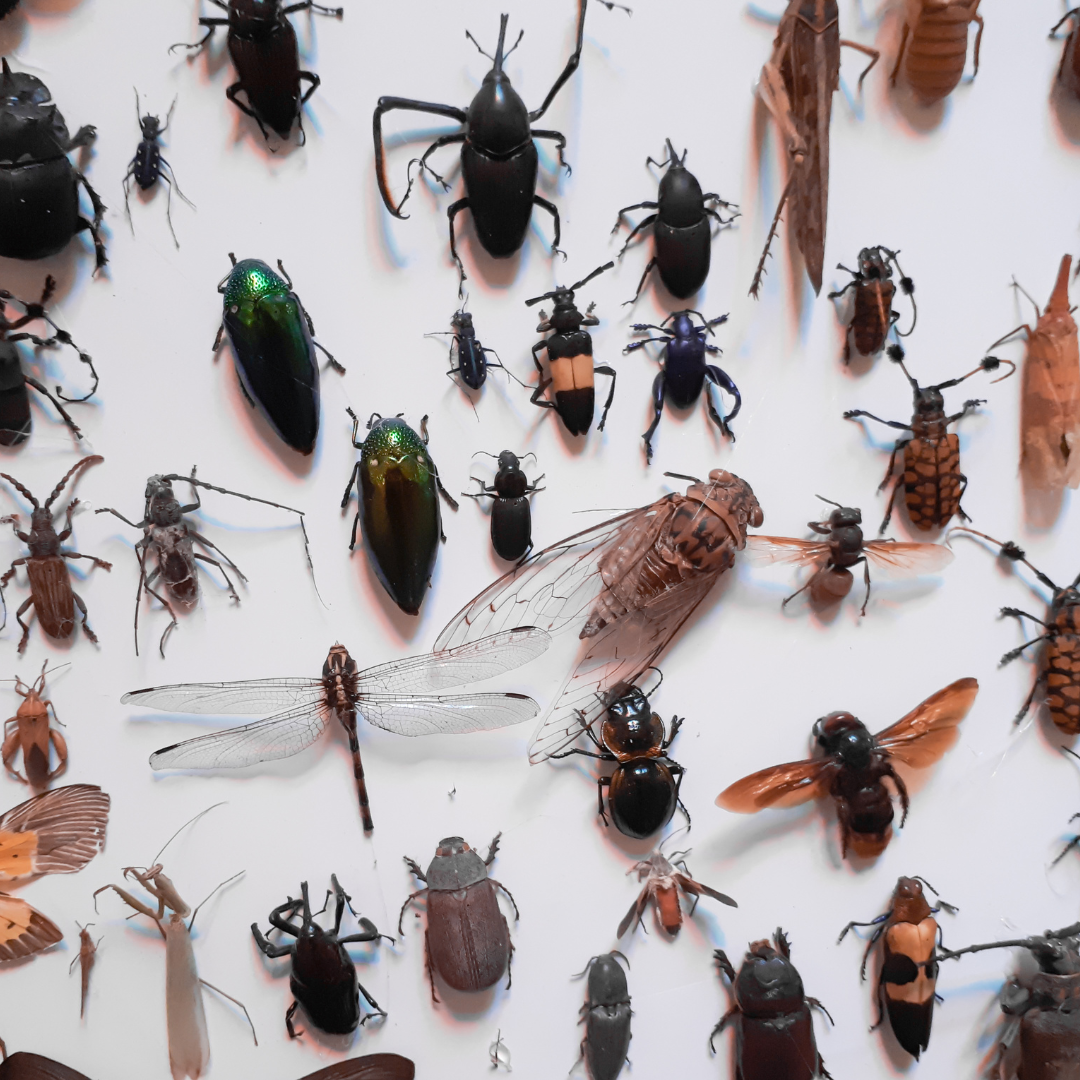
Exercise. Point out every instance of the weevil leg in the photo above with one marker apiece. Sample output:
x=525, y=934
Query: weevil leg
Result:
x=378, y=1010
x=560, y=141
x=658, y=411
x=604, y=369
x=626, y=209
x=553, y=210
x=438, y=144
x=290, y=1012
x=641, y=284
x=268, y=948
x=285, y=925
x=452, y=211
x=315, y=81
x=643, y=224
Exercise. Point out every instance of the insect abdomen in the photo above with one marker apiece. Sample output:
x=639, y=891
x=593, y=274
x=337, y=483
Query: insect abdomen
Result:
x=932, y=480
x=1062, y=671
x=937, y=51
x=873, y=316
x=50, y=587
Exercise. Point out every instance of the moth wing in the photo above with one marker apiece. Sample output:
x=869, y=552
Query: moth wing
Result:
x=57, y=832
x=23, y=929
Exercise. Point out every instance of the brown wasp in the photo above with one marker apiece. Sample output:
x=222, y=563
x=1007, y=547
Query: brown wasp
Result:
x=852, y=764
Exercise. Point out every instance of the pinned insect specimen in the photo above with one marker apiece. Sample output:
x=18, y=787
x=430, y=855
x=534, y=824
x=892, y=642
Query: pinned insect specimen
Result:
x=57, y=832
x=909, y=934
x=51, y=593
x=511, y=512
x=931, y=478
x=472, y=363
x=624, y=586
x=323, y=977
x=85, y=960
x=797, y=84
x=368, y=1067
x=28, y=730
x=853, y=765
x=873, y=315
x=399, y=696
x=171, y=540
x=606, y=1015
x=663, y=879
x=842, y=548
x=1068, y=75
x=24, y=1066
x=934, y=45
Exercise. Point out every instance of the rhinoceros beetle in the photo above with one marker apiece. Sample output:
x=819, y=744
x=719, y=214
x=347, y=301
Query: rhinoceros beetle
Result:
x=606, y=1014
x=39, y=187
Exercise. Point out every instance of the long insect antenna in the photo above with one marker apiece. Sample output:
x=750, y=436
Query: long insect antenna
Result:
x=486, y=453
x=988, y=363
x=211, y=893
x=94, y=459
x=896, y=354
x=831, y=503
x=907, y=287
x=1009, y=550
x=684, y=476
x=22, y=490
x=190, y=821
x=653, y=667
x=596, y=273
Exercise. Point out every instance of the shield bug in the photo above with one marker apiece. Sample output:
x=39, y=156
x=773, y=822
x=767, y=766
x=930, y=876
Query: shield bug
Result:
x=85, y=959
x=684, y=371
x=398, y=489
x=851, y=766
x=873, y=316
x=323, y=977
x=467, y=940
x=499, y=162
x=51, y=594
x=682, y=231
x=1068, y=74
x=909, y=965
x=39, y=187
x=663, y=879
x=264, y=51
x=273, y=343
x=571, y=373
x=933, y=43
x=24, y=1066
x=643, y=791
x=774, y=1028
x=511, y=513
x=28, y=730
x=931, y=478
x=606, y=1014
x=367, y=1067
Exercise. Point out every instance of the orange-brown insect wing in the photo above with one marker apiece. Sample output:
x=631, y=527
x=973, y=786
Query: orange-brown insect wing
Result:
x=764, y=550
x=24, y=930
x=904, y=559
x=690, y=885
x=637, y=909
x=58, y=832
x=781, y=786
x=921, y=737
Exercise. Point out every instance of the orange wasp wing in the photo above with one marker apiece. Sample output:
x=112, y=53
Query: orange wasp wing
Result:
x=904, y=559
x=920, y=738
x=23, y=930
x=781, y=786
x=767, y=550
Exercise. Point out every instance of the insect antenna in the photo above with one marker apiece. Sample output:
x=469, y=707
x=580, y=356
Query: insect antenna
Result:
x=988, y=363
x=94, y=459
x=907, y=287
x=653, y=667
x=190, y=821
x=1010, y=550
x=684, y=476
x=896, y=354
x=952, y=909
x=24, y=491
x=831, y=503
x=211, y=893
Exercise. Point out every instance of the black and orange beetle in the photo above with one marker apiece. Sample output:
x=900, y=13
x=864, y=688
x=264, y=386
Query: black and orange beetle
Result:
x=872, y=316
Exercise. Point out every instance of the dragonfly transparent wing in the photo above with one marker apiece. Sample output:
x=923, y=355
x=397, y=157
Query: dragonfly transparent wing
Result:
x=228, y=698
x=469, y=663
x=275, y=737
x=452, y=714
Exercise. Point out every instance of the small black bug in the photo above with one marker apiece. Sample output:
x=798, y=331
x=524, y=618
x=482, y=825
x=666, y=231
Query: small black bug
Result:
x=148, y=166
x=472, y=364
x=511, y=514
x=606, y=1014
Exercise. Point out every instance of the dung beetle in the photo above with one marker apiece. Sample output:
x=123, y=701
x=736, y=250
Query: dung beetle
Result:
x=272, y=338
x=472, y=364
x=498, y=159
x=774, y=1032
x=396, y=483
x=873, y=315
x=467, y=940
x=643, y=791
x=682, y=231
x=511, y=514
x=323, y=977
x=24, y=1066
x=263, y=48
x=39, y=187
x=570, y=359
x=684, y=371
x=606, y=1013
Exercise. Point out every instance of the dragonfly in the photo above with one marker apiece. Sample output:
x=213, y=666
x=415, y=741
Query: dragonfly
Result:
x=402, y=696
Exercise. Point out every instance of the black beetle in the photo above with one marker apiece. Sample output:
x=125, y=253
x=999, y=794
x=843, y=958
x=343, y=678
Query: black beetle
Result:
x=606, y=1013
x=472, y=364
x=467, y=940
x=681, y=228
x=39, y=187
x=511, y=514
x=323, y=977
x=570, y=359
x=498, y=159
x=272, y=338
x=774, y=1034
x=262, y=44
x=24, y=1066
x=684, y=371
x=15, y=419
x=148, y=166
x=643, y=791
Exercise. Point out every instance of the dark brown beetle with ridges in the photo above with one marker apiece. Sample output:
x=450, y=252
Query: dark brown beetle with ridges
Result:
x=51, y=593
x=873, y=316
x=467, y=940
x=28, y=730
x=934, y=42
x=931, y=478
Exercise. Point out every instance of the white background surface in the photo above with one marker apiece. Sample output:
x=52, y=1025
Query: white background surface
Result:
x=973, y=193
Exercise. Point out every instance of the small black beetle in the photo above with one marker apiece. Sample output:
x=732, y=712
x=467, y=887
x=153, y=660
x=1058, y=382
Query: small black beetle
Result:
x=570, y=359
x=511, y=514
x=467, y=940
x=323, y=977
x=472, y=364
x=681, y=228
x=39, y=187
x=606, y=1013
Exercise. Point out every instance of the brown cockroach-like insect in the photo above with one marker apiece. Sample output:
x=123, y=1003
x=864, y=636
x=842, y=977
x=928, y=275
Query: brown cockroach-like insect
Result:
x=85, y=960
x=663, y=880
x=1068, y=74
x=28, y=730
x=873, y=316
x=797, y=85
x=51, y=593
x=934, y=43
x=931, y=478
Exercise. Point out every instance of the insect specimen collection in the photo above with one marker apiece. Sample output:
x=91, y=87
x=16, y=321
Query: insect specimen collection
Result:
x=624, y=646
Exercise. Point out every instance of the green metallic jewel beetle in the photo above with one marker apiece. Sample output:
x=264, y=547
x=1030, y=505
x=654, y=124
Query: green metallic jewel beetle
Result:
x=271, y=336
x=402, y=525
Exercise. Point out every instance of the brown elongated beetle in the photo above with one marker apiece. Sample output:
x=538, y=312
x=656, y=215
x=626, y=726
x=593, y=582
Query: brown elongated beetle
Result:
x=909, y=967
x=873, y=317
x=467, y=940
x=934, y=43
x=28, y=730
x=663, y=879
x=931, y=477
x=774, y=1031
x=51, y=593
x=24, y=1066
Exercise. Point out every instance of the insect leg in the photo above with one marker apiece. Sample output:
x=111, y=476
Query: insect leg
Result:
x=59, y=408
x=268, y=948
x=26, y=629
x=641, y=284
x=60, y=745
x=378, y=1009
x=235, y=1001
x=231, y=93
x=678, y=771
x=901, y=790
x=866, y=51
x=787, y=599
x=723, y=380
x=626, y=209
x=676, y=727
x=900, y=55
x=1027, y=703
x=721, y=1025
x=127, y=206
x=643, y=224
x=604, y=369
x=168, y=207
x=843, y=815
x=866, y=578
x=93, y=227
x=759, y=273
x=289, y=1014
x=560, y=140
x=452, y=211
x=553, y=210
x=210, y=24
x=978, y=41
x=658, y=389
x=969, y=406
x=79, y=603
x=428, y=965
x=499, y=885
x=601, y=783
x=438, y=144
x=10, y=750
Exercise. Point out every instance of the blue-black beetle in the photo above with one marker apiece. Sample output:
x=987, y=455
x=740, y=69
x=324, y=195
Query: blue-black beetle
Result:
x=472, y=364
x=511, y=514
x=606, y=1014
